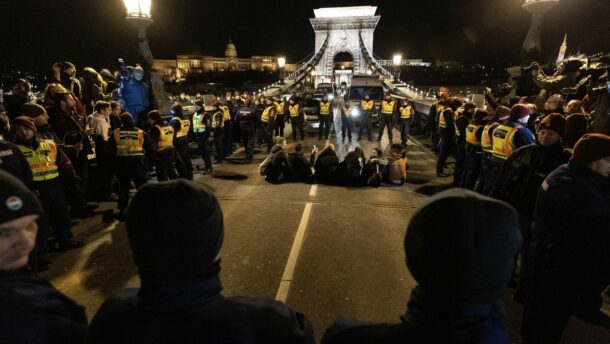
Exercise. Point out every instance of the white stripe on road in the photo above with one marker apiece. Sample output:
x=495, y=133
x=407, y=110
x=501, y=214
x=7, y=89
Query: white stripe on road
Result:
x=314, y=189
x=284, y=289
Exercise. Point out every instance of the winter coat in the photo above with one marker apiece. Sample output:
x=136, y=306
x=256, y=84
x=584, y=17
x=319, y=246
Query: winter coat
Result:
x=326, y=167
x=301, y=167
x=196, y=313
x=33, y=311
x=134, y=97
x=13, y=162
x=428, y=320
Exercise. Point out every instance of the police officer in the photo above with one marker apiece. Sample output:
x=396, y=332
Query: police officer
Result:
x=268, y=122
x=464, y=115
x=13, y=162
x=50, y=169
x=281, y=118
x=446, y=132
x=182, y=127
x=487, y=175
x=509, y=136
x=406, y=110
x=201, y=130
x=346, y=119
x=472, y=165
x=217, y=119
x=162, y=146
x=326, y=110
x=246, y=117
x=129, y=144
x=386, y=116
x=366, y=117
x=296, y=118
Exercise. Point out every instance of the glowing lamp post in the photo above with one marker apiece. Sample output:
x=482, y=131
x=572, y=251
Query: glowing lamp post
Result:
x=532, y=47
x=138, y=14
x=397, y=60
x=281, y=63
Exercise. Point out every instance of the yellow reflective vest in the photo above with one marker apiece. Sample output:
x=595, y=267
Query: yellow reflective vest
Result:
x=218, y=123
x=265, y=116
x=42, y=160
x=367, y=105
x=129, y=142
x=406, y=112
x=471, y=134
x=387, y=108
x=226, y=113
x=166, y=138
x=185, y=125
x=198, y=125
x=294, y=110
x=503, y=145
x=324, y=108
x=280, y=107
x=486, y=141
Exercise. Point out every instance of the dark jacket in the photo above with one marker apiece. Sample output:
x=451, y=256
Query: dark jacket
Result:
x=246, y=117
x=33, y=311
x=301, y=167
x=522, y=174
x=196, y=313
x=428, y=320
x=13, y=104
x=326, y=167
x=70, y=128
x=13, y=162
x=571, y=223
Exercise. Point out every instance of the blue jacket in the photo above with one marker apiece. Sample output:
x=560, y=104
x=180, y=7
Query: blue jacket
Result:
x=134, y=97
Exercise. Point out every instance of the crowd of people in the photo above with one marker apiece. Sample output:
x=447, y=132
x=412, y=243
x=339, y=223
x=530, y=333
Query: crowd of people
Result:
x=552, y=164
x=533, y=210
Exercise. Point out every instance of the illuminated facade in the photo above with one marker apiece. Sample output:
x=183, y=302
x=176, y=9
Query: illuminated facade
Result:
x=184, y=65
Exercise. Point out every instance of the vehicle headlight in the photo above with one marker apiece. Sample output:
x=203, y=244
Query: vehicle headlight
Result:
x=331, y=97
x=355, y=112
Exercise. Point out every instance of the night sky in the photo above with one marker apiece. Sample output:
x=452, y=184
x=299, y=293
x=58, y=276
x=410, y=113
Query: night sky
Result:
x=33, y=34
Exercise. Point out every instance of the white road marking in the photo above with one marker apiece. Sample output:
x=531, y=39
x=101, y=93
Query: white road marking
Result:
x=314, y=189
x=287, y=277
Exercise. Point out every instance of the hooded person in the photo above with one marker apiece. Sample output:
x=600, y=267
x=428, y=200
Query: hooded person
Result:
x=32, y=311
x=180, y=299
x=461, y=279
x=135, y=95
x=569, y=260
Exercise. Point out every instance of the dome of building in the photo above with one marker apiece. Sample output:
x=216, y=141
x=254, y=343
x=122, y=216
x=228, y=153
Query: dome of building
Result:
x=230, y=50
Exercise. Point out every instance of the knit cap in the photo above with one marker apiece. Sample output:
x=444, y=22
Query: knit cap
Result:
x=555, y=122
x=590, y=148
x=16, y=200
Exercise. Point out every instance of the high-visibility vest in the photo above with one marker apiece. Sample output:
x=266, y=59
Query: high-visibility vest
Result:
x=265, y=115
x=387, y=108
x=42, y=161
x=280, y=107
x=367, y=105
x=441, y=119
x=166, y=138
x=486, y=141
x=226, y=113
x=503, y=145
x=439, y=110
x=294, y=110
x=185, y=125
x=215, y=122
x=129, y=142
x=198, y=125
x=325, y=108
x=471, y=134
x=406, y=111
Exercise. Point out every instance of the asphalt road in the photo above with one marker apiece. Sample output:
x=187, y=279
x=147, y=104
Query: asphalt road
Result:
x=342, y=246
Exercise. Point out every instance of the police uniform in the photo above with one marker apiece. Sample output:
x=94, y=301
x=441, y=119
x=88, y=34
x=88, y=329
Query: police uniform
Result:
x=460, y=124
x=406, y=111
x=326, y=118
x=366, y=118
x=446, y=131
x=246, y=116
x=472, y=167
x=267, y=124
x=162, y=137
x=485, y=182
x=201, y=131
x=386, y=118
x=128, y=145
x=218, y=130
x=296, y=120
x=228, y=128
x=280, y=118
x=181, y=144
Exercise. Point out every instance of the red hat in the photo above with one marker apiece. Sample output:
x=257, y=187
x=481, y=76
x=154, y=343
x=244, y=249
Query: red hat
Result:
x=502, y=111
x=576, y=126
x=590, y=148
x=519, y=111
x=555, y=122
x=25, y=122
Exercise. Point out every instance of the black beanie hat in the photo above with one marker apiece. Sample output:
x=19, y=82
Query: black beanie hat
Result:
x=127, y=120
x=175, y=230
x=16, y=200
x=463, y=245
x=32, y=110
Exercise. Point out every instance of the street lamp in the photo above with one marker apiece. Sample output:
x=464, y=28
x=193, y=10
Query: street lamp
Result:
x=281, y=63
x=138, y=14
x=397, y=61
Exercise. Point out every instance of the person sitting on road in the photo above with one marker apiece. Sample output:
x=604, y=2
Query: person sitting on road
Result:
x=301, y=167
x=351, y=169
x=375, y=168
x=276, y=167
x=461, y=278
x=180, y=299
x=32, y=310
x=396, y=173
x=326, y=166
